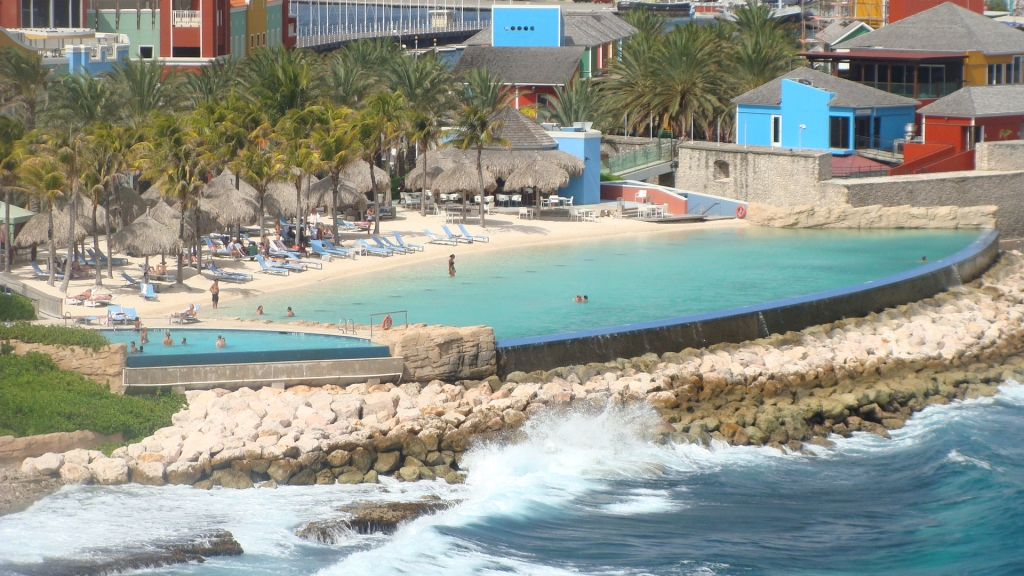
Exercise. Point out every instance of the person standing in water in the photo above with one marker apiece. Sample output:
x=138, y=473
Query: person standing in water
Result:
x=215, y=292
x=290, y=313
x=168, y=341
x=221, y=342
x=451, y=265
x=259, y=310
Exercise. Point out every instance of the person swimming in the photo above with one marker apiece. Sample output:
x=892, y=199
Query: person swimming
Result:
x=924, y=258
x=259, y=310
x=290, y=314
x=578, y=298
x=182, y=341
x=168, y=341
x=221, y=342
x=134, y=350
x=585, y=299
x=144, y=337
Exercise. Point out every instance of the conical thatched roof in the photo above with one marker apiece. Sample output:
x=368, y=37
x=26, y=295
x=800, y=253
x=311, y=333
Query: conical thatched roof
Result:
x=165, y=215
x=146, y=237
x=34, y=231
x=538, y=174
x=152, y=195
x=521, y=132
x=356, y=176
x=230, y=206
x=569, y=162
x=462, y=178
x=280, y=199
x=130, y=204
x=436, y=161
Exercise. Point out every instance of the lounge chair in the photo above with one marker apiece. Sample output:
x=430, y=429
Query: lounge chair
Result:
x=374, y=250
x=186, y=317
x=434, y=239
x=129, y=281
x=219, y=274
x=353, y=226
x=384, y=244
x=456, y=237
x=215, y=250
x=479, y=237
x=149, y=294
x=45, y=275
x=270, y=269
x=407, y=245
x=396, y=246
x=119, y=315
x=294, y=259
x=101, y=258
x=97, y=300
x=84, y=320
x=339, y=248
x=78, y=298
x=320, y=250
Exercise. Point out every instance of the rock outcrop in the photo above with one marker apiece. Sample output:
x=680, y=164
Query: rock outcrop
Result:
x=947, y=217
x=442, y=352
x=104, y=365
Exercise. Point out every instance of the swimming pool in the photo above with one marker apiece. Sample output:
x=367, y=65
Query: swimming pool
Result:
x=529, y=292
x=241, y=346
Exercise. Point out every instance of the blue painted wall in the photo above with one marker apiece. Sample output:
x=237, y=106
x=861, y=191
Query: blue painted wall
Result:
x=585, y=188
x=807, y=105
x=527, y=26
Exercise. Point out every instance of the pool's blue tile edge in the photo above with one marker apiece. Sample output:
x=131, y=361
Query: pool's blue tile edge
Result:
x=257, y=357
x=749, y=322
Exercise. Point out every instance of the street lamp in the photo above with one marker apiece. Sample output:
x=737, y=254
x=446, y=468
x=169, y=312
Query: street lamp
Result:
x=800, y=136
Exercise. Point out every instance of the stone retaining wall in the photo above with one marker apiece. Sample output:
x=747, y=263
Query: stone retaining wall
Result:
x=12, y=448
x=442, y=352
x=946, y=217
x=104, y=365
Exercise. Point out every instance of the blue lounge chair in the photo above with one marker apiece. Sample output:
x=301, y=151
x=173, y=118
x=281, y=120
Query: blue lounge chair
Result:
x=129, y=281
x=320, y=250
x=384, y=244
x=215, y=250
x=116, y=261
x=331, y=246
x=270, y=269
x=219, y=274
x=478, y=237
x=119, y=315
x=456, y=237
x=294, y=259
x=45, y=275
x=149, y=294
x=434, y=239
x=350, y=227
x=408, y=245
x=374, y=250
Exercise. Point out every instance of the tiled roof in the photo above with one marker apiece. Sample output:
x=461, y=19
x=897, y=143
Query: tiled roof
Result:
x=978, y=101
x=944, y=28
x=521, y=132
x=581, y=29
x=848, y=94
x=523, y=66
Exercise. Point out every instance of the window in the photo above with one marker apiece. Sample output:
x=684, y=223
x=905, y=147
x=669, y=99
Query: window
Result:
x=776, y=130
x=1017, y=61
x=721, y=170
x=839, y=132
x=146, y=52
x=252, y=41
x=264, y=38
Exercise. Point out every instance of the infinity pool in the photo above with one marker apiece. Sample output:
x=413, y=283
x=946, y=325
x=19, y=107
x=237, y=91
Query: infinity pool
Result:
x=204, y=341
x=529, y=292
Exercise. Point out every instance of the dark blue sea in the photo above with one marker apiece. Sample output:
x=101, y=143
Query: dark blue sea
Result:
x=584, y=494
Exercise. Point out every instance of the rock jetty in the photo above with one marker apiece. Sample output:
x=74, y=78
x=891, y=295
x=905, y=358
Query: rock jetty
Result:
x=868, y=374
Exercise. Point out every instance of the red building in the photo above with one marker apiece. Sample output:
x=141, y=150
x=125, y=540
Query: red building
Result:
x=900, y=9
x=951, y=126
x=196, y=28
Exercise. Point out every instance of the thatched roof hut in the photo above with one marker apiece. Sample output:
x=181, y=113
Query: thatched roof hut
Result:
x=130, y=204
x=356, y=176
x=462, y=178
x=230, y=206
x=569, y=162
x=146, y=237
x=539, y=175
x=35, y=230
x=436, y=161
x=165, y=215
x=152, y=195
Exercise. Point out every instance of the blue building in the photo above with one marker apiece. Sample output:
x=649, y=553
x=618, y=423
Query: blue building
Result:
x=806, y=109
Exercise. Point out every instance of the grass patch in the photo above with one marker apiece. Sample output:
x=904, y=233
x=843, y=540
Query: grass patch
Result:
x=54, y=335
x=15, y=307
x=36, y=397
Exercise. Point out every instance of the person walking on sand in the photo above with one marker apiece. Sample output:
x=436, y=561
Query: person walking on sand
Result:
x=451, y=265
x=215, y=292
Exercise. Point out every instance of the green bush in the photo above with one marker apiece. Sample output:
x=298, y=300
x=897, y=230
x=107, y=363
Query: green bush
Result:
x=16, y=307
x=609, y=177
x=36, y=397
x=54, y=335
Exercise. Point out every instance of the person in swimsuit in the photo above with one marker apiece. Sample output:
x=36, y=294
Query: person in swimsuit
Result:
x=215, y=291
x=134, y=350
x=168, y=341
x=221, y=342
x=259, y=310
x=290, y=314
x=451, y=265
x=144, y=338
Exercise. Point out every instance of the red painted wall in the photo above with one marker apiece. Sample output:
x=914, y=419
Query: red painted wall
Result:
x=10, y=13
x=900, y=9
x=612, y=191
x=952, y=131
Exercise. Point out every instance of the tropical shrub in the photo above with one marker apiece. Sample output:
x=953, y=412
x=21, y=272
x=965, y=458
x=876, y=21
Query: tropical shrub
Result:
x=15, y=307
x=53, y=335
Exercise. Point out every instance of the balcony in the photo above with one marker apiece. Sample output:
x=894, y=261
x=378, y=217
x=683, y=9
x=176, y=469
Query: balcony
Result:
x=924, y=89
x=186, y=19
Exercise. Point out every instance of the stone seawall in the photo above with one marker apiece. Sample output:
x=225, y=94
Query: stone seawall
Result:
x=877, y=216
x=12, y=448
x=442, y=352
x=104, y=365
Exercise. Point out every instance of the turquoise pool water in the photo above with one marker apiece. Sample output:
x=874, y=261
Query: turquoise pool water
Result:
x=529, y=292
x=203, y=341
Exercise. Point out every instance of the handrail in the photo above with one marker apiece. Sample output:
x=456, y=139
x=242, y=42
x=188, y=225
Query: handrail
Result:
x=709, y=208
x=656, y=153
x=379, y=325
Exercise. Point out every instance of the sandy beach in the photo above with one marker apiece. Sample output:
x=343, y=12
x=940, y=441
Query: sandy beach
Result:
x=505, y=231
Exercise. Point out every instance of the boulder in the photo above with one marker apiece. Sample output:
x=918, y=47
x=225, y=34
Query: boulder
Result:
x=282, y=470
x=231, y=478
x=387, y=462
x=362, y=459
x=371, y=477
x=28, y=467
x=75, y=474
x=49, y=464
x=305, y=477
x=415, y=447
x=325, y=476
x=149, y=473
x=388, y=443
x=78, y=456
x=203, y=484
x=184, y=473
x=339, y=458
x=409, y=473
x=109, y=471
x=350, y=477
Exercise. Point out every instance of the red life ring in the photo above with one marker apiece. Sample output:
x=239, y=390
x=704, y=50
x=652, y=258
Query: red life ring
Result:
x=741, y=211
x=387, y=323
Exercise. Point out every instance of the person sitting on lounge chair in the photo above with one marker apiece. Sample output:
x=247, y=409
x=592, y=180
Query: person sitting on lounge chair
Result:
x=79, y=297
x=79, y=271
x=190, y=313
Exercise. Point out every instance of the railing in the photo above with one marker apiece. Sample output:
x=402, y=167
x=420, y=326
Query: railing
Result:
x=657, y=153
x=924, y=89
x=311, y=36
x=43, y=303
x=872, y=143
x=859, y=172
x=379, y=320
x=186, y=18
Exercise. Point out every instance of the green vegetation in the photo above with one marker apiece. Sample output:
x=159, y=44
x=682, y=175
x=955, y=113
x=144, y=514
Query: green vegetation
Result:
x=36, y=397
x=609, y=177
x=16, y=307
x=53, y=335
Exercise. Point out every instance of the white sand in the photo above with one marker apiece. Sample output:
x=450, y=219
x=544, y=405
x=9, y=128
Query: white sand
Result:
x=506, y=232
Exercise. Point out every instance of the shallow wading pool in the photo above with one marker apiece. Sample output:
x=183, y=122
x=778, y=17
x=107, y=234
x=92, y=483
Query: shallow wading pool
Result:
x=529, y=291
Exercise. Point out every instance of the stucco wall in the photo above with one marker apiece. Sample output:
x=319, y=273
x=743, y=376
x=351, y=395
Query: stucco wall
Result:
x=757, y=174
x=973, y=188
x=1007, y=155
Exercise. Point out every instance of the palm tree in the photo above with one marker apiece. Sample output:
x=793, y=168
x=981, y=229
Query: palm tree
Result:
x=764, y=48
x=79, y=100
x=23, y=83
x=631, y=80
x=213, y=83
x=110, y=150
x=476, y=128
x=578, y=100
x=282, y=80
x=295, y=131
x=381, y=123
x=43, y=178
x=11, y=132
x=690, y=80
x=260, y=165
x=337, y=144
x=145, y=88
x=647, y=23
x=347, y=83
x=68, y=150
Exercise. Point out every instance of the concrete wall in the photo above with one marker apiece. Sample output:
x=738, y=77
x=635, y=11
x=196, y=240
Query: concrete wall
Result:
x=749, y=322
x=1006, y=156
x=970, y=188
x=762, y=174
x=585, y=188
x=895, y=217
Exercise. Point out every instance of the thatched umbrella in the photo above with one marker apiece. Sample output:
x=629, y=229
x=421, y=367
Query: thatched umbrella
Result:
x=463, y=179
x=34, y=231
x=569, y=162
x=540, y=175
x=152, y=195
x=165, y=215
x=356, y=176
x=280, y=199
x=229, y=206
x=146, y=236
x=130, y=204
x=434, y=161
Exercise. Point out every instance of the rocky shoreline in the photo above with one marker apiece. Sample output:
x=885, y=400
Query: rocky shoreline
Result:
x=867, y=374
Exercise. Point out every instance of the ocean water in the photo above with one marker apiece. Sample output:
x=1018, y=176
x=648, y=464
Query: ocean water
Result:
x=204, y=341
x=585, y=494
x=529, y=291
